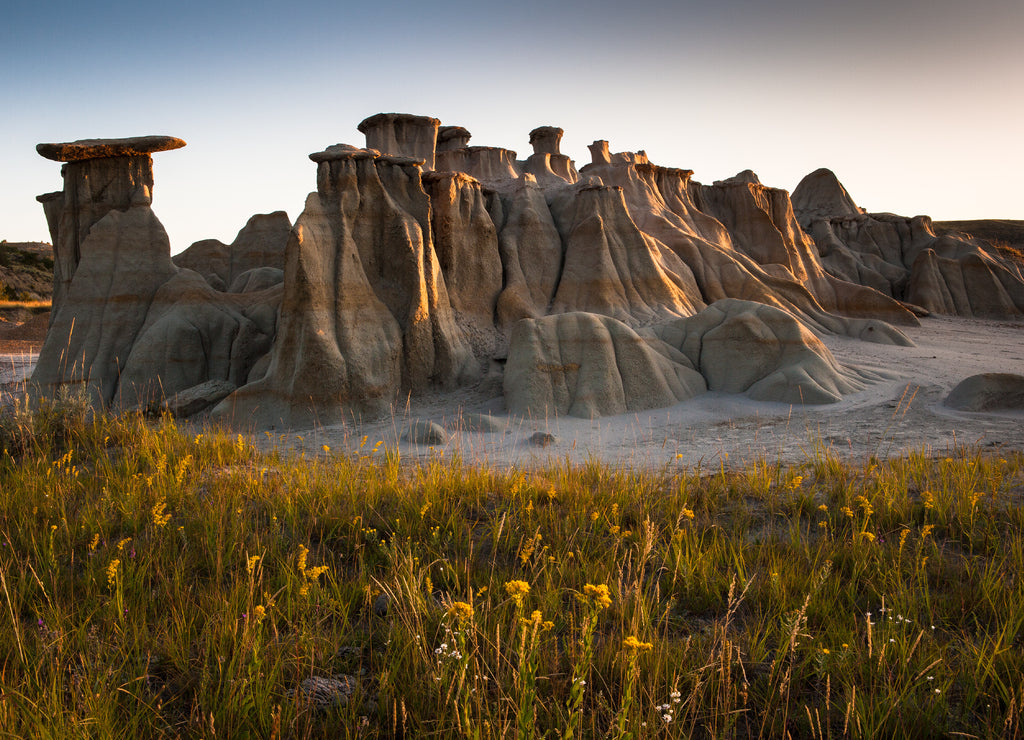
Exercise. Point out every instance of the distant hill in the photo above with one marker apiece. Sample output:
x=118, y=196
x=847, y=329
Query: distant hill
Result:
x=26, y=271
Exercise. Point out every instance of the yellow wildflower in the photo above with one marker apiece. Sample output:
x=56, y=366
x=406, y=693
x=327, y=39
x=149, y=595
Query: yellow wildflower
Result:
x=259, y=612
x=461, y=611
x=598, y=594
x=517, y=591
x=634, y=645
x=112, y=572
x=250, y=564
x=687, y=513
x=157, y=514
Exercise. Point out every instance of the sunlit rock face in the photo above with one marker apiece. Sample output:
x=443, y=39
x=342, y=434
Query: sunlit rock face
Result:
x=421, y=263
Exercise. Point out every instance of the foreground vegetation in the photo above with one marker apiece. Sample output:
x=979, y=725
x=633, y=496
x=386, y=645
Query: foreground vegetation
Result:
x=158, y=582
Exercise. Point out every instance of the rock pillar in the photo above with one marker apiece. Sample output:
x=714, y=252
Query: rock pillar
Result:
x=452, y=137
x=100, y=175
x=402, y=135
x=111, y=255
x=547, y=162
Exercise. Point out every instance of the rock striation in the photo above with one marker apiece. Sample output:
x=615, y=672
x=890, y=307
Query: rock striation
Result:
x=421, y=263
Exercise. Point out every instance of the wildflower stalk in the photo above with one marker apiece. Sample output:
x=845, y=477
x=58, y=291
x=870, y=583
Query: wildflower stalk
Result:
x=461, y=615
x=632, y=648
x=596, y=598
x=529, y=629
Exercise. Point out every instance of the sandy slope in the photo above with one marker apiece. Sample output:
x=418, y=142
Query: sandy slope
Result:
x=901, y=414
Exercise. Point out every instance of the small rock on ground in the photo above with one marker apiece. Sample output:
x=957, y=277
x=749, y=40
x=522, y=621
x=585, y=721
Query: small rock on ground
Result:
x=424, y=432
x=479, y=423
x=542, y=439
x=325, y=691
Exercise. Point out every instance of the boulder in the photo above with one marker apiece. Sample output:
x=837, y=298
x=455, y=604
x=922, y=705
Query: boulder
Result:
x=542, y=439
x=762, y=351
x=197, y=398
x=988, y=392
x=479, y=423
x=423, y=432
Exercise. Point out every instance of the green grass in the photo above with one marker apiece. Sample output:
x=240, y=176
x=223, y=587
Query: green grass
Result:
x=163, y=583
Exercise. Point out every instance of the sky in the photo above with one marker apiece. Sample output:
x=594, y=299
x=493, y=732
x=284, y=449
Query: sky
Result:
x=916, y=105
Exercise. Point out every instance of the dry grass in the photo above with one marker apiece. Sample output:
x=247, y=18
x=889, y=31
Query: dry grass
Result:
x=163, y=583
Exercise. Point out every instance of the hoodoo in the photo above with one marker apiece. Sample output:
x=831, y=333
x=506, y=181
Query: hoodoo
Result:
x=421, y=263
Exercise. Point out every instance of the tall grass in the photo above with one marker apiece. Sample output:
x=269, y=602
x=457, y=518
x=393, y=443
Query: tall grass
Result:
x=159, y=582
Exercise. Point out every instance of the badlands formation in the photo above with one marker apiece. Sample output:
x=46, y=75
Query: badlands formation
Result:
x=422, y=264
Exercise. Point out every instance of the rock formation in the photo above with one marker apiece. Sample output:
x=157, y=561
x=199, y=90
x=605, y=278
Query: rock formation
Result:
x=421, y=262
x=587, y=365
x=254, y=260
x=903, y=257
x=128, y=324
x=366, y=313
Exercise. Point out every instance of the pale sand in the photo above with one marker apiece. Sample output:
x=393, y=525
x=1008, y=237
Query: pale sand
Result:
x=886, y=419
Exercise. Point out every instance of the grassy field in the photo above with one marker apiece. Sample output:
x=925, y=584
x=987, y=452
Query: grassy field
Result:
x=163, y=582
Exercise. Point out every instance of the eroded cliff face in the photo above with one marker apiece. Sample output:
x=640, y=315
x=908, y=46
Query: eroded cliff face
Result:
x=903, y=257
x=366, y=313
x=421, y=263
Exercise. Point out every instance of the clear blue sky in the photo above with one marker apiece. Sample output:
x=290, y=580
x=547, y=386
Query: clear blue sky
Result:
x=916, y=105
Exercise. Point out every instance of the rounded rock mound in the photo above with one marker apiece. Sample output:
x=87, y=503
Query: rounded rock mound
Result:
x=988, y=392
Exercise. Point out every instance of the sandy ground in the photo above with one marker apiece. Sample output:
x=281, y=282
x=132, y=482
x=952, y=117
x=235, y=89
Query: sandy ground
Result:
x=715, y=429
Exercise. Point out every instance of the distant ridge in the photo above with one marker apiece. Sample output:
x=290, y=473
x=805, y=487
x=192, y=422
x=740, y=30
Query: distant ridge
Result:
x=26, y=271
